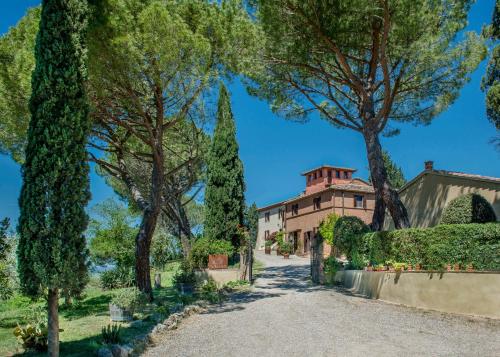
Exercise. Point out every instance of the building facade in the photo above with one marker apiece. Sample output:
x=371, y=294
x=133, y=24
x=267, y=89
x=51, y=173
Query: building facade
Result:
x=328, y=189
x=271, y=220
x=426, y=196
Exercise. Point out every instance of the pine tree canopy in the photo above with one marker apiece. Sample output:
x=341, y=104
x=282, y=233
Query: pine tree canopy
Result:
x=52, y=252
x=224, y=195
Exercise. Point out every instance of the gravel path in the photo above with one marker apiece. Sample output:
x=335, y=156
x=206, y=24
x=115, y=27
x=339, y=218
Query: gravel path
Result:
x=284, y=315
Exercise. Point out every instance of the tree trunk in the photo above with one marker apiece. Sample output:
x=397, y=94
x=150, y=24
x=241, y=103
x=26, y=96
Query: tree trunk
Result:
x=142, y=249
x=385, y=195
x=317, y=268
x=53, y=323
x=184, y=230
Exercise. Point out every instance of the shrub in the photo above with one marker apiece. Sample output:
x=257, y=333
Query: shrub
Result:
x=34, y=335
x=120, y=277
x=111, y=334
x=332, y=265
x=203, y=247
x=470, y=208
x=326, y=227
x=476, y=244
x=286, y=248
x=185, y=275
x=347, y=234
x=130, y=299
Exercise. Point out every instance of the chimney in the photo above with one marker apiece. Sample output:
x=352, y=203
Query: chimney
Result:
x=429, y=165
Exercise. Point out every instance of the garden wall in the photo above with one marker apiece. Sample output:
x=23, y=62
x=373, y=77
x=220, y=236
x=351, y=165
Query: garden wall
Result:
x=220, y=276
x=474, y=293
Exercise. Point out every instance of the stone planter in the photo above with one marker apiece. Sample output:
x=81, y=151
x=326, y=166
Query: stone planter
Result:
x=116, y=313
x=185, y=289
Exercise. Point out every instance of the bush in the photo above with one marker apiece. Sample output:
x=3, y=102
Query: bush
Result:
x=347, y=234
x=34, y=335
x=476, y=244
x=286, y=248
x=203, y=247
x=470, y=208
x=111, y=334
x=130, y=299
x=117, y=278
x=326, y=227
x=185, y=275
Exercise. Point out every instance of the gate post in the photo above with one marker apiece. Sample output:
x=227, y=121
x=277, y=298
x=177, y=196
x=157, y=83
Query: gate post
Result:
x=317, y=273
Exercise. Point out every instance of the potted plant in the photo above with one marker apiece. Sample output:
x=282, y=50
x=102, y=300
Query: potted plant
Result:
x=185, y=279
x=418, y=267
x=456, y=267
x=286, y=249
x=124, y=303
x=268, y=243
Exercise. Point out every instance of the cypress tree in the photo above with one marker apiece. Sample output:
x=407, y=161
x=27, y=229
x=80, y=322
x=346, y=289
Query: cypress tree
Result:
x=252, y=222
x=52, y=254
x=224, y=195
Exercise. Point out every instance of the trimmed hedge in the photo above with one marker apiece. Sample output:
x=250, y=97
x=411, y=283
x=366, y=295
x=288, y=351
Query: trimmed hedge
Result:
x=470, y=208
x=476, y=244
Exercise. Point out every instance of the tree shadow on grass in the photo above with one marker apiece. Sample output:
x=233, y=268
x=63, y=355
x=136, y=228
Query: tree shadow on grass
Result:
x=92, y=306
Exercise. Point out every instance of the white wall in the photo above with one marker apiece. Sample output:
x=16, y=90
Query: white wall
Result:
x=274, y=225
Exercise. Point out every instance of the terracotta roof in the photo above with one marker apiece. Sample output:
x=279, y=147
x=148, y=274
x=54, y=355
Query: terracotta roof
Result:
x=271, y=206
x=471, y=176
x=353, y=187
x=450, y=174
x=328, y=167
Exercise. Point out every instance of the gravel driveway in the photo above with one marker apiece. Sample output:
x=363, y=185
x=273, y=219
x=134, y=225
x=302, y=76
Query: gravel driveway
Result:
x=284, y=315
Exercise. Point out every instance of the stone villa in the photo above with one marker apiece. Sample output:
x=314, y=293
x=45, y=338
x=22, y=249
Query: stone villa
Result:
x=327, y=189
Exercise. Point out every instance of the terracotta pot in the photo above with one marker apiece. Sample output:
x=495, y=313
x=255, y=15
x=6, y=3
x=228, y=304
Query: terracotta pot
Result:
x=470, y=267
x=418, y=267
x=268, y=250
x=410, y=267
x=286, y=255
x=369, y=268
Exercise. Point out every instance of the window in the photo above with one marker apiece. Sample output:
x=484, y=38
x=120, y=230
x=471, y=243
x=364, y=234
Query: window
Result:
x=267, y=217
x=295, y=209
x=317, y=203
x=337, y=173
x=358, y=201
x=329, y=173
x=309, y=177
x=320, y=173
x=346, y=174
x=315, y=177
x=280, y=213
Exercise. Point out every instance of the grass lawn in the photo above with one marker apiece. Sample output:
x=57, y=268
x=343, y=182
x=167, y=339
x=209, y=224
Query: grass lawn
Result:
x=82, y=322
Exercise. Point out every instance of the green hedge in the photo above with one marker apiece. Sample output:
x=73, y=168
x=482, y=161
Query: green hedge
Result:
x=476, y=244
x=470, y=208
x=204, y=246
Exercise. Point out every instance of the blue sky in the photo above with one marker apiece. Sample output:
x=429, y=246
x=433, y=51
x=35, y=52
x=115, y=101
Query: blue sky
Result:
x=274, y=151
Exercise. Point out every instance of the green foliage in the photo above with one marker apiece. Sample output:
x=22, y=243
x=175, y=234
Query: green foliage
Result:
x=185, y=275
x=332, y=265
x=469, y=208
x=211, y=292
x=52, y=249
x=286, y=248
x=476, y=244
x=130, y=299
x=347, y=235
x=269, y=243
x=34, y=335
x=224, y=195
x=326, y=227
x=203, y=247
x=165, y=248
x=113, y=234
x=491, y=80
x=118, y=277
x=252, y=222
x=17, y=61
x=394, y=173
x=7, y=264
x=110, y=334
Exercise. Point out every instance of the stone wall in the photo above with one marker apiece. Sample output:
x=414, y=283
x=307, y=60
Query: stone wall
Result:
x=474, y=293
x=220, y=276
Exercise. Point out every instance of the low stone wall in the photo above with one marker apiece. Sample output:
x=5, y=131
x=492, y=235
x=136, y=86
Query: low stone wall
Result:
x=472, y=293
x=220, y=276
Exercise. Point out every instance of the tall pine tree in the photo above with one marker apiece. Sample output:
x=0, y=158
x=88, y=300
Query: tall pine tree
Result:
x=52, y=254
x=224, y=195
